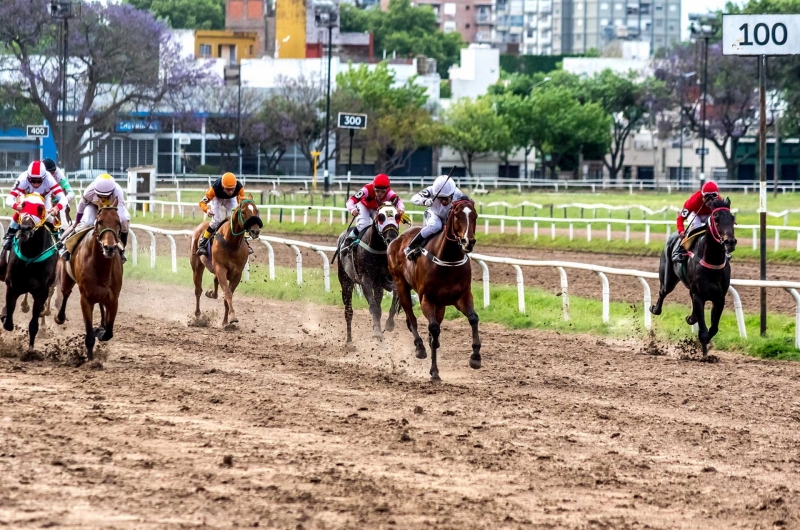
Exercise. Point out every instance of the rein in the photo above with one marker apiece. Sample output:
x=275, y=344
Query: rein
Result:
x=712, y=224
x=450, y=235
x=240, y=218
x=99, y=234
x=450, y=224
x=47, y=253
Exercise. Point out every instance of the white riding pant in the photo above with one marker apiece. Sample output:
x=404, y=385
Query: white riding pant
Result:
x=220, y=209
x=364, y=218
x=90, y=216
x=697, y=222
x=433, y=224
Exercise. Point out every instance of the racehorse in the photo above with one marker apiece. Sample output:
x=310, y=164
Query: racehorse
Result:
x=31, y=267
x=228, y=255
x=442, y=276
x=95, y=266
x=707, y=272
x=366, y=265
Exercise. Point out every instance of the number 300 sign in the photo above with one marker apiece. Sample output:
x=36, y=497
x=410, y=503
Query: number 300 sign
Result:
x=761, y=34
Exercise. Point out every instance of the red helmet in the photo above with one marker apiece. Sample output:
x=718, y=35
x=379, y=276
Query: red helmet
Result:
x=710, y=188
x=36, y=171
x=381, y=181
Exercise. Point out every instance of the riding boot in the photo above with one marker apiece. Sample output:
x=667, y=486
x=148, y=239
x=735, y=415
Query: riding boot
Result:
x=202, y=249
x=679, y=254
x=9, y=238
x=348, y=242
x=123, y=239
x=414, y=249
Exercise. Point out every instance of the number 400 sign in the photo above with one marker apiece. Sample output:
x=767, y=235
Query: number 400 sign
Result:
x=761, y=34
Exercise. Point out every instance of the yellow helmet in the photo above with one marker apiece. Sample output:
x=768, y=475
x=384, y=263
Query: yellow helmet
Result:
x=228, y=180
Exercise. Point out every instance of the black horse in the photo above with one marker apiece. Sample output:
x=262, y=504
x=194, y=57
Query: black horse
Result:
x=365, y=264
x=31, y=269
x=707, y=272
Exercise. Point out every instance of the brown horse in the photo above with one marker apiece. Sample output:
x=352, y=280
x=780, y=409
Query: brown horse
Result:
x=228, y=255
x=96, y=266
x=442, y=276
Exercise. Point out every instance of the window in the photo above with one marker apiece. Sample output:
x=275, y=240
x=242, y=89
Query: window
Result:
x=580, y=22
x=617, y=7
x=579, y=7
x=251, y=49
x=659, y=23
x=645, y=9
x=467, y=25
x=672, y=27
x=467, y=8
x=604, y=5
x=450, y=9
x=659, y=8
x=205, y=50
x=673, y=7
x=604, y=22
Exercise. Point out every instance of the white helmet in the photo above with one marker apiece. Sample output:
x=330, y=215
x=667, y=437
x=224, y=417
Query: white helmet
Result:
x=36, y=170
x=443, y=186
x=104, y=185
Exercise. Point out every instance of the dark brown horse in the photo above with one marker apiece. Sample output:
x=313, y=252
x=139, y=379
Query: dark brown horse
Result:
x=442, y=276
x=228, y=256
x=31, y=268
x=96, y=267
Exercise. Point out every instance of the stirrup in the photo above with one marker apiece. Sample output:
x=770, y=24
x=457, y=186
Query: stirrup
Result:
x=122, y=256
x=65, y=255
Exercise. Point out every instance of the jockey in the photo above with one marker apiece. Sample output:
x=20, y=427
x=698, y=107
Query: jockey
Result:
x=34, y=180
x=100, y=193
x=221, y=198
x=58, y=174
x=697, y=208
x=365, y=203
x=444, y=191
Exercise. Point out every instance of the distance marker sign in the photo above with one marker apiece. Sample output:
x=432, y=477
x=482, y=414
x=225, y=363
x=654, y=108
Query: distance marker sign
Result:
x=352, y=121
x=760, y=34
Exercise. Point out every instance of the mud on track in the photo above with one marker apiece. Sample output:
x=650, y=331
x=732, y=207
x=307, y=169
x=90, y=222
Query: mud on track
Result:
x=554, y=432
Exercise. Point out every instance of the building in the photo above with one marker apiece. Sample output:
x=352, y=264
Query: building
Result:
x=473, y=19
x=232, y=46
x=479, y=69
x=581, y=25
x=250, y=16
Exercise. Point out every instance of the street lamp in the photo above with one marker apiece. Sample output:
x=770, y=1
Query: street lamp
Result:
x=230, y=78
x=326, y=15
x=680, y=88
x=62, y=11
x=543, y=81
x=702, y=28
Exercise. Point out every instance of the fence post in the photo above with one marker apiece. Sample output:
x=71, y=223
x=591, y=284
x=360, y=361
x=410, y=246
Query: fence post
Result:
x=502, y=226
x=271, y=254
x=299, y=261
x=485, y=270
x=134, y=247
x=589, y=232
x=777, y=240
x=536, y=234
x=174, y=252
x=608, y=232
x=152, y=249
x=520, y=289
x=326, y=271
x=553, y=231
x=647, y=234
x=486, y=227
x=519, y=228
x=606, y=295
x=305, y=217
x=571, y=232
x=796, y=297
x=247, y=270
x=669, y=231
x=755, y=239
x=737, y=306
x=564, y=293
x=648, y=319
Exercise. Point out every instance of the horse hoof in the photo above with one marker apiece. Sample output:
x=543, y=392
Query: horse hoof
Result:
x=475, y=362
x=8, y=325
x=435, y=378
x=377, y=335
x=211, y=294
x=25, y=308
x=99, y=333
x=691, y=320
x=655, y=310
x=390, y=325
x=58, y=321
x=421, y=353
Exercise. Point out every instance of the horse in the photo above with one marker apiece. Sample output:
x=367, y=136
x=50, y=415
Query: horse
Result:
x=707, y=273
x=228, y=255
x=95, y=266
x=31, y=268
x=366, y=265
x=442, y=276
x=56, y=231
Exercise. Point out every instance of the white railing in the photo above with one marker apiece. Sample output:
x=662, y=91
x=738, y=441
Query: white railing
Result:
x=482, y=260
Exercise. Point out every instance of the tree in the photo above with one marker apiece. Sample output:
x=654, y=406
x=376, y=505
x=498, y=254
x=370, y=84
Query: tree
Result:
x=121, y=60
x=474, y=129
x=406, y=30
x=296, y=111
x=731, y=98
x=16, y=111
x=186, y=14
x=628, y=101
x=399, y=122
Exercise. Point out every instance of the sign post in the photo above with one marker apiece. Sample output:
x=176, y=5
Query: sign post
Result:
x=351, y=121
x=315, y=154
x=761, y=35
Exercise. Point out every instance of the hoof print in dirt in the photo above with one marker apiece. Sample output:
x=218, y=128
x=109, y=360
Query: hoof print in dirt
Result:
x=31, y=356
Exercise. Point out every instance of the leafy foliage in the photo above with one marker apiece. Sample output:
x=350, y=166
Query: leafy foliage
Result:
x=186, y=14
x=475, y=129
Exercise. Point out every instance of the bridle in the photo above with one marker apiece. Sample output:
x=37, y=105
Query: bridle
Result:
x=240, y=218
x=99, y=233
x=713, y=229
x=450, y=233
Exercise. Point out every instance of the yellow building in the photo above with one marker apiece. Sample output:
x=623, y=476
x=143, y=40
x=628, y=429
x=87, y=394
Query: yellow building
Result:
x=233, y=46
x=290, y=29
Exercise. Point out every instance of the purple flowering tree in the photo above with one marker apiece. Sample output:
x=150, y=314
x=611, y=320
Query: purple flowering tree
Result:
x=732, y=99
x=122, y=61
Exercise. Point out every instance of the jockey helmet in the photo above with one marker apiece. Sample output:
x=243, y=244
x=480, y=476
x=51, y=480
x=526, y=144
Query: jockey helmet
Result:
x=104, y=185
x=710, y=190
x=443, y=186
x=49, y=165
x=381, y=181
x=228, y=180
x=36, y=172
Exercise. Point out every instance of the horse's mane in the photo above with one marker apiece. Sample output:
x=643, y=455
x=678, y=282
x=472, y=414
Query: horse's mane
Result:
x=719, y=202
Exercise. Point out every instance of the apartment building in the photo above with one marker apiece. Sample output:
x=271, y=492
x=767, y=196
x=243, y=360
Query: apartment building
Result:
x=474, y=19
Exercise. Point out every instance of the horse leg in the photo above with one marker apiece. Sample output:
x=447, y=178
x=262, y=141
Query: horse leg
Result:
x=466, y=306
x=668, y=280
x=716, y=313
x=66, y=285
x=87, y=308
x=106, y=331
x=404, y=294
x=11, y=304
x=347, y=300
x=222, y=281
x=24, y=306
x=197, y=275
x=699, y=317
x=215, y=293
x=392, y=311
x=374, y=294
x=434, y=315
x=33, y=326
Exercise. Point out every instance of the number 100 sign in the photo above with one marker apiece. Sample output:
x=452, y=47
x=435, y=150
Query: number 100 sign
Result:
x=761, y=34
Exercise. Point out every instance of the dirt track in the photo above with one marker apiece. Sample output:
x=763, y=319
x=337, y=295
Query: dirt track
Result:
x=554, y=432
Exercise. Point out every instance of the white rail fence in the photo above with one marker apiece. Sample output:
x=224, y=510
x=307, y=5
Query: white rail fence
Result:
x=481, y=259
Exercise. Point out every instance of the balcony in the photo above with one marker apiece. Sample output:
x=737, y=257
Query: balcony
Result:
x=484, y=19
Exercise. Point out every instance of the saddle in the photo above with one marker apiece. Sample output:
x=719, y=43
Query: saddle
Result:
x=689, y=240
x=72, y=241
